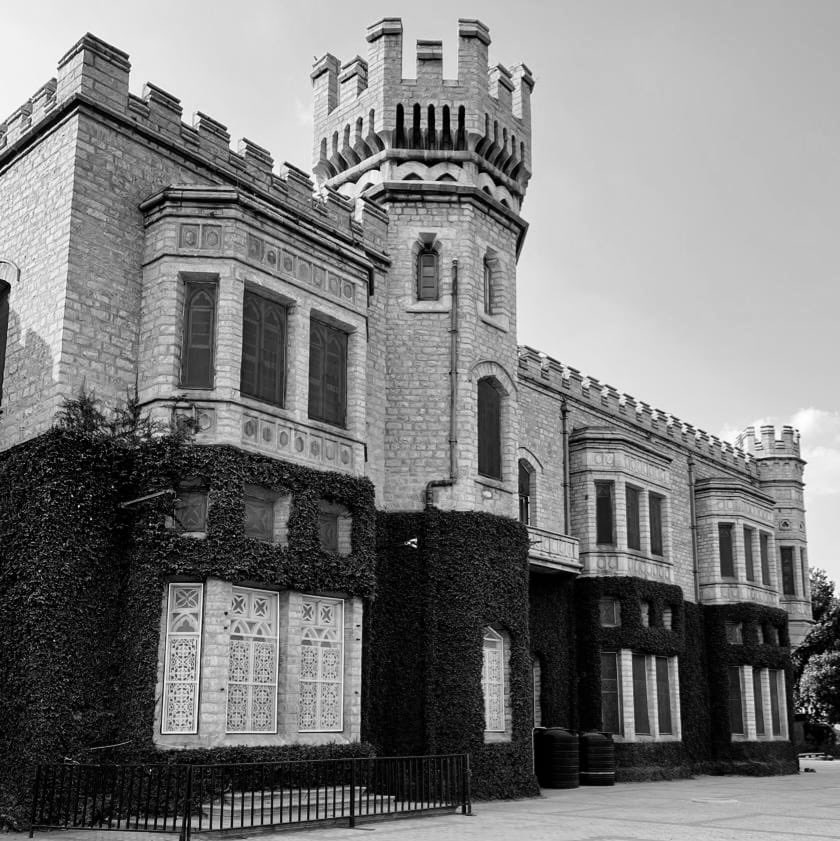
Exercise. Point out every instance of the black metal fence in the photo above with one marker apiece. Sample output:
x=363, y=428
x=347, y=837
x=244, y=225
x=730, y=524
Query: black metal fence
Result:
x=207, y=798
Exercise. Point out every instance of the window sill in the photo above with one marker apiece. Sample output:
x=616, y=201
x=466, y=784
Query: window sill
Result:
x=492, y=737
x=489, y=482
x=499, y=322
x=442, y=305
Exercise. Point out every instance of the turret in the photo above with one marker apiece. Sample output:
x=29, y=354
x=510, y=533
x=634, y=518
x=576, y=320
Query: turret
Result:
x=369, y=120
x=449, y=159
x=780, y=471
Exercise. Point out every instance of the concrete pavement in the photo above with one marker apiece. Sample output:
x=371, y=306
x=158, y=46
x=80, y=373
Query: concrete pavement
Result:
x=804, y=807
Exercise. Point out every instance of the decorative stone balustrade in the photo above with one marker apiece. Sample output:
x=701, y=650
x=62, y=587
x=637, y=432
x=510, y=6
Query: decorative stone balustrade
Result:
x=553, y=552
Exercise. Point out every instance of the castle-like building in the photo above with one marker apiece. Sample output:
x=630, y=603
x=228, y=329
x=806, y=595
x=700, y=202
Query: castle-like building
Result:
x=393, y=523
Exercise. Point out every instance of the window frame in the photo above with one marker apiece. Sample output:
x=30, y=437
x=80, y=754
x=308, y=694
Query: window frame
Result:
x=601, y=527
x=195, y=286
x=787, y=570
x=749, y=552
x=656, y=503
x=258, y=361
x=318, y=379
x=497, y=641
x=318, y=600
x=633, y=517
x=5, y=313
x=273, y=598
x=619, y=707
x=727, y=558
x=168, y=636
x=526, y=516
x=737, y=671
x=428, y=291
x=764, y=554
x=488, y=286
x=489, y=428
x=609, y=606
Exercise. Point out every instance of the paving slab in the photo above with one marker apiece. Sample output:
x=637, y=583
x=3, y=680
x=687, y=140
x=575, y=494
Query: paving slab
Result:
x=803, y=807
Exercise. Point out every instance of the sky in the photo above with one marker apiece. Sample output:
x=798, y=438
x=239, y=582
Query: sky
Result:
x=685, y=199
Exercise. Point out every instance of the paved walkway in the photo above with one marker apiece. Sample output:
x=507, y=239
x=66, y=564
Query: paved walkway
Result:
x=804, y=807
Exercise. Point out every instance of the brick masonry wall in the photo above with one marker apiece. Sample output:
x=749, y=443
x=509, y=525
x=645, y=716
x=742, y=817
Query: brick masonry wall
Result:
x=418, y=357
x=36, y=192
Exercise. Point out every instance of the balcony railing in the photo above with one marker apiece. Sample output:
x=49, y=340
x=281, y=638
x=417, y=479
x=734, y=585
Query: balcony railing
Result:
x=551, y=551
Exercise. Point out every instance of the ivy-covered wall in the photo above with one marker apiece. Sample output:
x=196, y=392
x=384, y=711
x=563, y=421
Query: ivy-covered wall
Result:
x=553, y=641
x=83, y=581
x=61, y=573
x=469, y=570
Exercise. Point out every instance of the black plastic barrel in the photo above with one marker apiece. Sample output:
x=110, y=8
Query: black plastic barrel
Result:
x=597, y=759
x=556, y=757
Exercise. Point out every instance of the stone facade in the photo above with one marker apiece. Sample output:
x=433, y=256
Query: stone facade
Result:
x=113, y=205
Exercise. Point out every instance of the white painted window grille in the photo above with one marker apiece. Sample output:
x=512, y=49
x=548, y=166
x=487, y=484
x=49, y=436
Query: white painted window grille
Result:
x=252, y=668
x=183, y=658
x=321, y=665
x=493, y=681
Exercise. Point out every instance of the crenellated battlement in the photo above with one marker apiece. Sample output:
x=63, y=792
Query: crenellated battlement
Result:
x=559, y=377
x=95, y=72
x=766, y=444
x=363, y=109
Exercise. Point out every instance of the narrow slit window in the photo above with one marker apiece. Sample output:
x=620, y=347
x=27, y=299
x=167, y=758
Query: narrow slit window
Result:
x=788, y=581
x=604, y=533
x=611, y=719
x=631, y=497
x=736, y=701
x=663, y=696
x=428, y=276
x=5, y=291
x=749, y=538
x=655, y=511
x=641, y=715
x=758, y=697
x=489, y=429
x=764, y=548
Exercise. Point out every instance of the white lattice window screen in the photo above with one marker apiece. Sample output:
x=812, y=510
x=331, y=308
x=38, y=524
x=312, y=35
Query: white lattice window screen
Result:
x=183, y=658
x=252, y=668
x=493, y=680
x=321, y=665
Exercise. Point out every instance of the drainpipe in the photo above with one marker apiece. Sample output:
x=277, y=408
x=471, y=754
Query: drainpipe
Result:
x=564, y=421
x=453, y=396
x=693, y=528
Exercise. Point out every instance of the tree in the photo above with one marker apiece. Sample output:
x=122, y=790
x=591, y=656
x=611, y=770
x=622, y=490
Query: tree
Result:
x=819, y=687
x=817, y=660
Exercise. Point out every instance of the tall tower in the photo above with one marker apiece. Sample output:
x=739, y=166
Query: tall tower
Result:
x=780, y=469
x=450, y=160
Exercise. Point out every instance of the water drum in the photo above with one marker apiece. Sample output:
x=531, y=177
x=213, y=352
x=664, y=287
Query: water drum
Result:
x=597, y=759
x=556, y=757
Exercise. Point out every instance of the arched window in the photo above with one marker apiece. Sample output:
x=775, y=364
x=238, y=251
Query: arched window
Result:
x=5, y=289
x=199, y=329
x=526, y=493
x=428, y=275
x=493, y=680
x=489, y=428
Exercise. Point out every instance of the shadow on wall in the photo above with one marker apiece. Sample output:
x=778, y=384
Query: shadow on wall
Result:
x=29, y=389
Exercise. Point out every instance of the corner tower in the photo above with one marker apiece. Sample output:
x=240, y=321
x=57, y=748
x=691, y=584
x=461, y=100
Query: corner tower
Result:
x=450, y=160
x=780, y=470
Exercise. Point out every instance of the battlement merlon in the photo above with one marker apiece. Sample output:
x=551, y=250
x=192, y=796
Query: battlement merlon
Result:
x=381, y=84
x=766, y=444
x=98, y=74
x=563, y=380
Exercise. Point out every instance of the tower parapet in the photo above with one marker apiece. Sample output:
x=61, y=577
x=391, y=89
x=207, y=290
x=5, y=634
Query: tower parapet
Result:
x=767, y=444
x=369, y=120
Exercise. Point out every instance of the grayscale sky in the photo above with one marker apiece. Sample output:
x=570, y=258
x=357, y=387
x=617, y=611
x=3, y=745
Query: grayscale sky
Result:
x=684, y=204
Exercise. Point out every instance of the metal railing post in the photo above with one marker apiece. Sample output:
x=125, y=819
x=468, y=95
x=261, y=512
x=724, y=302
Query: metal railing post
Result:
x=466, y=800
x=186, y=824
x=352, y=793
